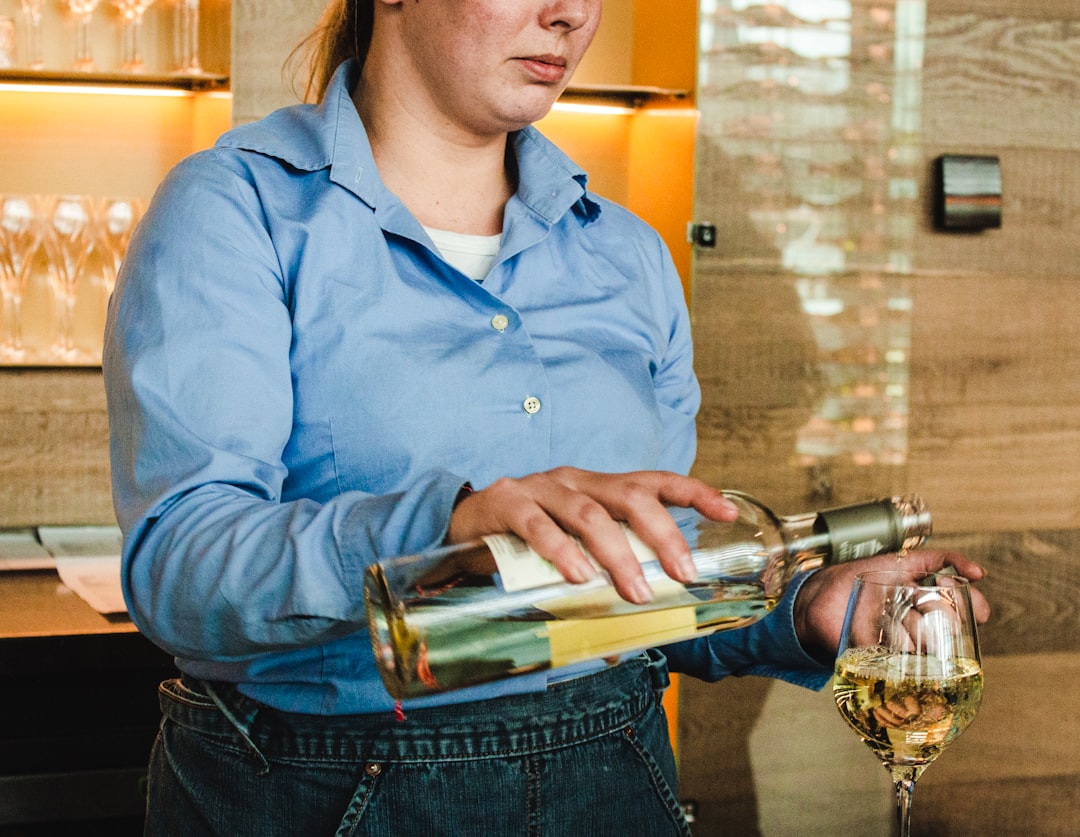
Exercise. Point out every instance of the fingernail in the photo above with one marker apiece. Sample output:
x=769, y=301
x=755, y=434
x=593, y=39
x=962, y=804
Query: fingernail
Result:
x=641, y=591
x=584, y=571
x=687, y=568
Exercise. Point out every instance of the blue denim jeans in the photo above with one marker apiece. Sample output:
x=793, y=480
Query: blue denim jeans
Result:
x=589, y=757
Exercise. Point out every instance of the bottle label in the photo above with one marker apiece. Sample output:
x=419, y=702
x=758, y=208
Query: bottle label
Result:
x=575, y=640
x=853, y=550
x=522, y=568
x=863, y=530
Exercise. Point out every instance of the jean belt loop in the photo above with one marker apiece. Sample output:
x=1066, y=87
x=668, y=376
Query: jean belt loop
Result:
x=658, y=671
x=242, y=726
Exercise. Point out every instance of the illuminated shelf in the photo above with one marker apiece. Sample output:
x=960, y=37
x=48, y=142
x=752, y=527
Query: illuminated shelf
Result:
x=194, y=83
x=631, y=96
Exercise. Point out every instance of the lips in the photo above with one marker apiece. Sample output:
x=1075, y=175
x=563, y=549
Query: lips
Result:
x=546, y=68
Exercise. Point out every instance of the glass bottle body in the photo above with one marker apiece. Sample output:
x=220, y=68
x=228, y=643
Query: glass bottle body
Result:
x=478, y=612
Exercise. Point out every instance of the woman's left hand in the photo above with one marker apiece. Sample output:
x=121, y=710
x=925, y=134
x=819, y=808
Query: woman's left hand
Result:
x=822, y=601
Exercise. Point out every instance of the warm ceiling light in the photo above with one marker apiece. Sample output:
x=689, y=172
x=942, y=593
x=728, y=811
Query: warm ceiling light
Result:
x=99, y=90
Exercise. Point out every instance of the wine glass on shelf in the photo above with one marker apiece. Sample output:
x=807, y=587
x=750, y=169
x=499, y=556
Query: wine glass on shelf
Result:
x=20, y=235
x=32, y=12
x=186, y=38
x=131, y=17
x=116, y=220
x=68, y=240
x=909, y=675
x=84, y=15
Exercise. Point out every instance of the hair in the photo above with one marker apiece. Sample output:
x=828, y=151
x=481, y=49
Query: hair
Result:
x=343, y=32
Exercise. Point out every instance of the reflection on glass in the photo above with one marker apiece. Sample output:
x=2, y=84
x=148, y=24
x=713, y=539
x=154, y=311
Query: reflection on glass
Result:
x=811, y=110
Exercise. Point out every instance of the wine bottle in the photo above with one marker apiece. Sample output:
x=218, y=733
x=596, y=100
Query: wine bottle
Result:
x=477, y=612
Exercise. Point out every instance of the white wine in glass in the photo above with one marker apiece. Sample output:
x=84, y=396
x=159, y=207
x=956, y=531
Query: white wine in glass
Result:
x=909, y=675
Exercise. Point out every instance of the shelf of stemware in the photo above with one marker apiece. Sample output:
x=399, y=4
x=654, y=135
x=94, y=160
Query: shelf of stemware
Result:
x=196, y=82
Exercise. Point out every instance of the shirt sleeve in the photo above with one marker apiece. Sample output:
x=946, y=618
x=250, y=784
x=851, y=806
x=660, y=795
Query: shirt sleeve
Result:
x=216, y=566
x=675, y=384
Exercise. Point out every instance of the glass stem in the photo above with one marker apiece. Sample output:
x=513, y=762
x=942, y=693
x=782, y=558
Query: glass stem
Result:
x=132, y=35
x=186, y=34
x=16, y=325
x=905, y=790
x=84, y=58
x=34, y=53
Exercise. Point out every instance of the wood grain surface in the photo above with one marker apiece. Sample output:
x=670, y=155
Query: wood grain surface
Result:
x=54, y=448
x=990, y=356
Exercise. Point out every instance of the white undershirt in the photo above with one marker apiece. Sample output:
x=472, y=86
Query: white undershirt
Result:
x=473, y=255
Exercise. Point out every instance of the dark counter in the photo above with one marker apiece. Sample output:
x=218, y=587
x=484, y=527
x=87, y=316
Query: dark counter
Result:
x=78, y=698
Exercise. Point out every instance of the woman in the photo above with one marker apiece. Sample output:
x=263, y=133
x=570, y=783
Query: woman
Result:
x=364, y=328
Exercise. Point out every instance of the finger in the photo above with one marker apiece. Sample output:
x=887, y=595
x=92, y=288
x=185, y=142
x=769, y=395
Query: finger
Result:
x=642, y=500
x=518, y=506
x=560, y=508
x=935, y=561
x=671, y=489
x=980, y=606
x=932, y=561
x=589, y=505
x=607, y=543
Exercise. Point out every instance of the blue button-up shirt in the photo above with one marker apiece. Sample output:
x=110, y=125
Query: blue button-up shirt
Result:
x=299, y=385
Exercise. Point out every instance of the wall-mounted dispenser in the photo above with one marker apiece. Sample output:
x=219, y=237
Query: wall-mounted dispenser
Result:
x=967, y=192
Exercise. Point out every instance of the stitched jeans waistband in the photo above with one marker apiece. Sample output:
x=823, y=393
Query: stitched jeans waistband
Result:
x=568, y=712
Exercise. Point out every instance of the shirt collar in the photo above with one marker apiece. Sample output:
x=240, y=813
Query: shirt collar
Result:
x=331, y=135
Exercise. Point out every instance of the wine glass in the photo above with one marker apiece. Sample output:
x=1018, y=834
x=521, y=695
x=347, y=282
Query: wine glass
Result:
x=84, y=14
x=116, y=220
x=186, y=38
x=131, y=13
x=20, y=235
x=68, y=240
x=909, y=676
x=32, y=11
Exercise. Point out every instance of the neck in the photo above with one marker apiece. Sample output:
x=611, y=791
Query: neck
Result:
x=449, y=178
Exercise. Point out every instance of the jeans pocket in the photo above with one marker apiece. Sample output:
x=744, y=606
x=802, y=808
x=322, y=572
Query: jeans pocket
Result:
x=176, y=689
x=647, y=739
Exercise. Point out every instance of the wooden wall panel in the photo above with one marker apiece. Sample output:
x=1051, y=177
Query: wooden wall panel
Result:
x=1001, y=79
x=992, y=420
x=54, y=457
x=1039, y=238
x=995, y=418
x=264, y=34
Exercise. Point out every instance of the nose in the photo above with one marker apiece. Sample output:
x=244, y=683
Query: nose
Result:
x=571, y=14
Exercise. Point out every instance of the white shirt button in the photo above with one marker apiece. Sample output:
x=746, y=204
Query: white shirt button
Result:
x=531, y=405
x=499, y=322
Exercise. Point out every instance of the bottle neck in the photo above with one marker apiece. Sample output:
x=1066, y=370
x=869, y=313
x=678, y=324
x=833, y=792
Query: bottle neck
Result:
x=858, y=531
x=807, y=539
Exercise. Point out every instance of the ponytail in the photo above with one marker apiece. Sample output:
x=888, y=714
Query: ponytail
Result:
x=343, y=32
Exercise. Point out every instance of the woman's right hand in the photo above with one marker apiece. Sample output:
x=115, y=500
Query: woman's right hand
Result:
x=547, y=510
